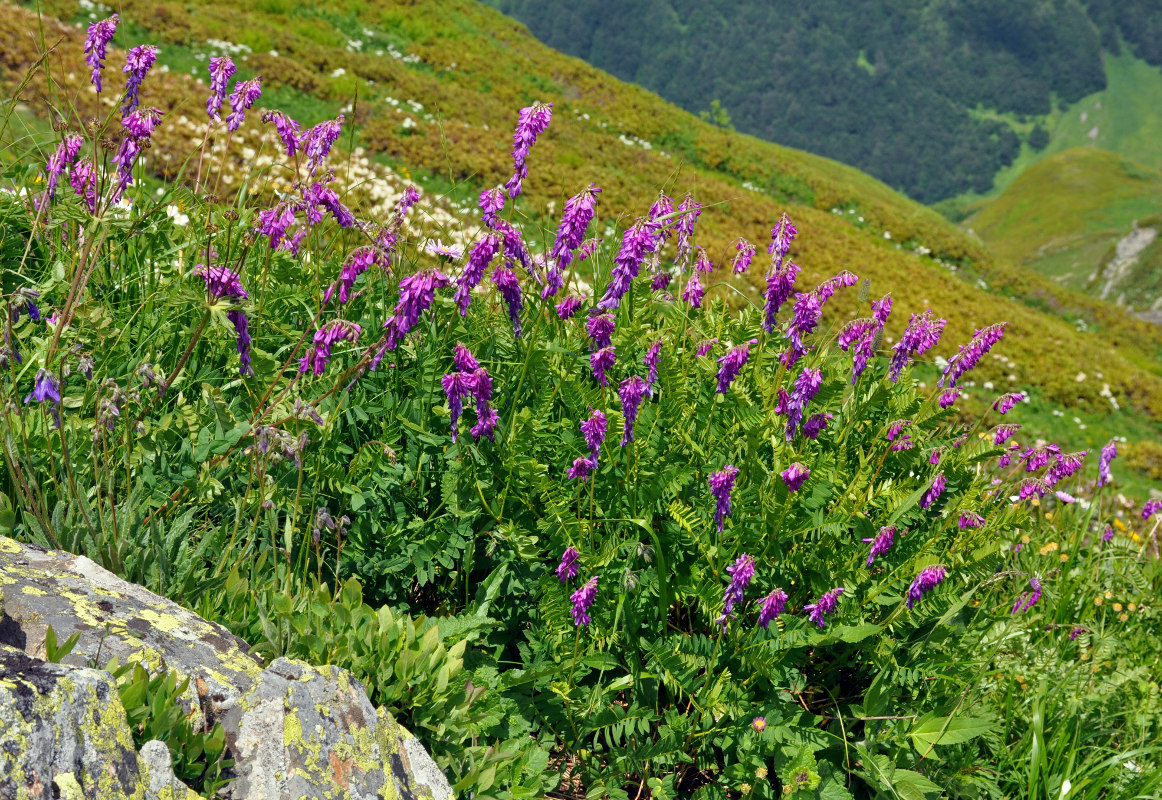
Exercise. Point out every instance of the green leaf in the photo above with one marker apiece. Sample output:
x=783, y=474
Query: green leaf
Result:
x=947, y=730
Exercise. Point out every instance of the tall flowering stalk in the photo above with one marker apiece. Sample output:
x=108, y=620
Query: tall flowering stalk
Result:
x=780, y=284
x=579, y=212
x=741, y=573
x=782, y=235
x=970, y=354
x=774, y=604
x=582, y=600
x=632, y=390
x=721, y=485
x=824, y=606
x=1108, y=453
x=479, y=257
x=138, y=61
x=921, y=335
x=96, y=43
x=221, y=70
x=531, y=123
x=639, y=240
x=732, y=364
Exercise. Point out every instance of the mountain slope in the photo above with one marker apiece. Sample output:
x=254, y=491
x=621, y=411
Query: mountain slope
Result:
x=456, y=72
x=1098, y=200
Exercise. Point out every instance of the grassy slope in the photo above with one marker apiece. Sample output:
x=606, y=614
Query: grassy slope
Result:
x=1063, y=215
x=477, y=68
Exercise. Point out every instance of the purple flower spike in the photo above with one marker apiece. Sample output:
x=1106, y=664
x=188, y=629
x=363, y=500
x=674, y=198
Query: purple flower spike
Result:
x=600, y=330
x=781, y=237
x=242, y=330
x=1151, y=508
x=704, y=347
x=531, y=123
x=96, y=42
x=721, y=485
x=969, y=354
x=479, y=257
x=895, y=427
x=1108, y=454
x=221, y=70
x=632, y=390
x=806, y=387
x=1002, y=433
x=581, y=468
x=506, y=281
x=741, y=573
x=1029, y=599
x=358, y=262
x=316, y=143
x=651, y=361
x=416, y=293
x=601, y=362
x=582, y=600
x=491, y=204
x=795, y=476
x=568, y=307
x=949, y=397
x=1064, y=467
x=815, y=425
x=325, y=338
x=83, y=178
x=579, y=212
x=780, y=284
x=882, y=543
x=922, y=334
x=594, y=430
x=688, y=211
x=661, y=280
x=456, y=388
x=743, y=256
x=46, y=389
x=567, y=569
x=1004, y=404
x=970, y=519
x=464, y=359
x=640, y=240
x=934, y=492
x=925, y=582
x=825, y=605
x=64, y=157
x=732, y=363
x=773, y=606
x=138, y=62
x=694, y=291
x=243, y=97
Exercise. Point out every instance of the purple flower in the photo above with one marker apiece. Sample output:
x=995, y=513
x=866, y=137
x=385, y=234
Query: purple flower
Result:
x=1108, y=533
x=568, y=306
x=594, y=430
x=693, y=292
x=704, y=347
x=83, y=178
x=1037, y=457
x=64, y=156
x=632, y=390
x=881, y=309
x=325, y=337
x=934, y=492
x=721, y=484
x=1029, y=599
x=895, y=427
x=1032, y=486
x=100, y=34
x=486, y=416
x=1108, y=454
x=1077, y=631
x=416, y=293
x=46, y=389
x=242, y=342
x=759, y=724
x=582, y=600
x=859, y=336
x=922, y=334
x=780, y=284
x=934, y=458
x=1151, y=508
x=221, y=282
x=662, y=207
x=806, y=387
x=882, y=543
x=479, y=257
x=925, y=582
x=949, y=397
x=243, y=97
x=221, y=70
x=1002, y=433
x=457, y=386
x=743, y=256
x=464, y=359
x=687, y=213
x=732, y=363
x=969, y=354
x=319, y=197
x=651, y=361
x=600, y=362
x=826, y=605
x=579, y=212
x=491, y=204
x=567, y=569
x=970, y=519
x=316, y=143
x=1064, y=467
x=530, y=124
x=137, y=63
x=815, y=425
x=773, y=606
x=741, y=573
x=639, y=240
x=581, y=468
x=702, y=263
x=1065, y=497
x=1004, y=404
x=509, y=286
x=287, y=129
x=781, y=237
x=807, y=311
x=358, y=262
x=600, y=330
x=795, y=476
x=661, y=281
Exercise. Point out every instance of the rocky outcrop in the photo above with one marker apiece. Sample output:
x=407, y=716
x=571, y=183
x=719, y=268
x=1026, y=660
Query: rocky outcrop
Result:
x=293, y=730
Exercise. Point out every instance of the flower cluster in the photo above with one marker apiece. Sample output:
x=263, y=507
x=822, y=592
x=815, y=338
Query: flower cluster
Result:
x=732, y=364
x=96, y=42
x=825, y=605
x=925, y=582
x=741, y=573
x=631, y=391
x=593, y=429
x=531, y=123
x=316, y=360
x=721, y=485
x=921, y=335
x=881, y=543
x=969, y=354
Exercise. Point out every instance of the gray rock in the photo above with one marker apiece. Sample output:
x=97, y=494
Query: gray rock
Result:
x=62, y=732
x=157, y=774
x=293, y=730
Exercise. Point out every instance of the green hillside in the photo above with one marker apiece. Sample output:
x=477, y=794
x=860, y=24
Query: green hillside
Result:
x=432, y=90
x=1065, y=215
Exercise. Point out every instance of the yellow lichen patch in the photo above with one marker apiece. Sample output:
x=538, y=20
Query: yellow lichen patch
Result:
x=165, y=623
x=9, y=546
x=34, y=591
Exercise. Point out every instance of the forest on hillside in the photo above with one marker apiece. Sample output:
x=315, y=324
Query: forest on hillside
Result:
x=903, y=90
